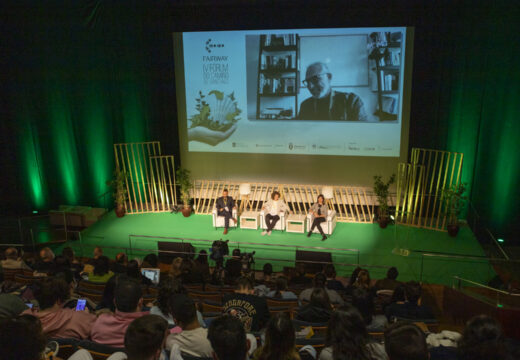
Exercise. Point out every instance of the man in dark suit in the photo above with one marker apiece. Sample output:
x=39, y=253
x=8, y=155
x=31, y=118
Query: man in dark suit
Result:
x=225, y=205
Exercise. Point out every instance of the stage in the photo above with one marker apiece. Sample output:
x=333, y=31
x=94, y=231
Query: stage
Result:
x=368, y=244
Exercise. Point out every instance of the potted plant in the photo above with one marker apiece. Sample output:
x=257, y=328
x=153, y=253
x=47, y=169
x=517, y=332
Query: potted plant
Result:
x=183, y=179
x=381, y=191
x=118, y=183
x=454, y=201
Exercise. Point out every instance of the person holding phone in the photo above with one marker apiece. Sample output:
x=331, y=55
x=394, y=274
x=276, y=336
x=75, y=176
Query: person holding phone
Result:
x=319, y=210
x=225, y=205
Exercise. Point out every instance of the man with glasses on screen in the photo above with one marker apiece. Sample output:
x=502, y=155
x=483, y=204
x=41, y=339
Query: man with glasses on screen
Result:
x=326, y=103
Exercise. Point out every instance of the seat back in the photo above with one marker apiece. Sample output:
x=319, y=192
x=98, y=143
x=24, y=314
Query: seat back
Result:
x=95, y=296
x=191, y=357
x=211, y=308
x=68, y=346
x=91, y=285
x=215, y=297
x=10, y=273
x=290, y=304
x=26, y=280
x=98, y=351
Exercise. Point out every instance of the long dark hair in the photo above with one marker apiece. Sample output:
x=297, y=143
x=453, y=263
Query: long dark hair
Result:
x=203, y=257
x=279, y=339
x=347, y=334
x=320, y=298
x=482, y=339
x=168, y=288
x=281, y=285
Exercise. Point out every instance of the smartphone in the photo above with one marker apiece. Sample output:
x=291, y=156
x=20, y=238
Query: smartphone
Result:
x=29, y=305
x=80, y=306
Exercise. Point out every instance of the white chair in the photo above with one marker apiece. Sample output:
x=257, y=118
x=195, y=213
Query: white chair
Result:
x=280, y=224
x=220, y=221
x=328, y=225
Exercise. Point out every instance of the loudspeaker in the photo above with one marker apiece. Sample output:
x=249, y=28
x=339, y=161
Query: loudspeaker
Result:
x=320, y=257
x=174, y=249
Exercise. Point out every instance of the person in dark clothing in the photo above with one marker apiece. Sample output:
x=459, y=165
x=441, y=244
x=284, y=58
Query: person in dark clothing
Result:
x=189, y=274
x=233, y=267
x=390, y=282
x=318, y=310
x=332, y=283
x=202, y=265
x=300, y=280
x=150, y=261
x=119, y=266
x=410, y=309
x=405, y=341
x=252, y=310
x=134, y=272
x=45, y=263
x=363, y=300
x=225, y=205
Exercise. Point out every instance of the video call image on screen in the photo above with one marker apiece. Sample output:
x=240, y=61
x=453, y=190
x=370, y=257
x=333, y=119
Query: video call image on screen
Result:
x=306, y=91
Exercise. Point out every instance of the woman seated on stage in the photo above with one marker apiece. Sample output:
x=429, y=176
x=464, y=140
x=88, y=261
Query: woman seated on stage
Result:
x=320, y=210
x=273, y=208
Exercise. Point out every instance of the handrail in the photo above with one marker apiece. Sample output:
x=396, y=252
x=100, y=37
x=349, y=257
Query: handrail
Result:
x=485, y=286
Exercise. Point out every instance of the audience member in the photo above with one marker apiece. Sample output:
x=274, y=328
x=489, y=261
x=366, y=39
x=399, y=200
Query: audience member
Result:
x=318, y=310
x=193, y=340
x=20, y=340
x=175, y=271
x=101, y=272
x=107, y=301
x=332, y=283
x=233, y=267
x=410, y=309
x=12, y=261
x=390, y=282
x=89, y=266
x=281, y=291
x=300, y=279
x=109, y=329
x=405, y=341
x=482, y=339
x=354, y=276
x=133, y=271
x=228, y=339
x=363, y=279
x=279, y=340
x=319, y=282
x=75, y=265
x=45, y=263
x=252, y=310
x=11, y=306
x=347, y=338
x=119, y=265
x=59, y=322
x=398, y=296
x=189, y=275
x=363, y=300
x=202, y=265
x=267, y=275
x=150, y=261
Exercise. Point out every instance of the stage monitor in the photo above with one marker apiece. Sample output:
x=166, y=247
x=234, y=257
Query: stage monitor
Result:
x=300, y=94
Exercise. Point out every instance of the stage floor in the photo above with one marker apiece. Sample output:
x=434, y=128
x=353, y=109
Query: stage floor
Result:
x=377, y=247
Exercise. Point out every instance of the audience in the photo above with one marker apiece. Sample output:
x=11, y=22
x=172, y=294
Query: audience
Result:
x=175, y=271
x=11, y=306
x=300, y=280
x=101, y=272
x=347, y=338
x=410, y=309
x=193, y=340
x=150, y=261
x=267, y=275
x=202, y=265
x=119, y=265
x=107, y=301
x=390, y=282
x=45, y=263
x=233, y=268
x=482, y=340
x=109, y=329
x=89, y=266
x=281, y=291
x=362, y=280
x=279, y=340
x=75, y=265
x=318, y=310
x=319, y=282
x=354, y=276
x=363, y=300
x=189, y=275
x=12, y=261
x=20, y=339
x=332, y=283
x=252, y=310
x=405, y=341
x=228, y=339
x=59, y=322
x=133, y=271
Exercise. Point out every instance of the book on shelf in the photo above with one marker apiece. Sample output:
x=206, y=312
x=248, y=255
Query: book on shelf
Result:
x=280, y=40
x=389, y=104
x=388, y=81
x=276, y=113
x=273, y=85
x=277, y=62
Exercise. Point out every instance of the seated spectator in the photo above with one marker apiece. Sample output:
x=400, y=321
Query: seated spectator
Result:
x=12, y=261
x=119, y=265
x=347, y=337
x=482, y=339
x=11, y=306
x=399, y=295
x=332, y=283
x=150, y=261
x=319, y=282
x=168, y=289
x=101, y=272
x=228, y=339
x=318, y=310
x=133, y=271
x=233, y=268
x=279, y=340
x=363, y=300
x=175, y=271
x=281, y=291
x=252, y=310
x=89, y=266
x=61, y=264
x=390, y=282
x=202, y=265
x=406, y=341
x=45, y=263
x=353, y=276
x=410, y=309
x=59, y=322
x=20, y=340
x=193, y=340
x=107, y=301
x=75, y=265
x=267, y=276
x=109, y=329
x=189, y=274
x=300, y=280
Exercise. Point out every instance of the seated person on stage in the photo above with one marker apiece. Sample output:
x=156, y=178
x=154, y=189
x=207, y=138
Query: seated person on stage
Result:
x=252, y=310
x=109, y=329
x=225, y=205
x=320, y=211
x=272, y=209
x=390, y=282
x=193, y=340
x=12, y=261
x=410, y=309
x=326, y=103
x=319, y=282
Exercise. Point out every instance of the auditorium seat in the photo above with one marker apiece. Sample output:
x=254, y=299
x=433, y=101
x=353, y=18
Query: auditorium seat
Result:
x=327, y=226
x=91, y=285
x=279, y=303
x=10, y=273
x=215, y=297
x=26, y=280
x=219, y=221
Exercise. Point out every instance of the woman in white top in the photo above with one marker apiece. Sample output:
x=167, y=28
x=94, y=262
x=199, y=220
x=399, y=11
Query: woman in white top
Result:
x=273, y=208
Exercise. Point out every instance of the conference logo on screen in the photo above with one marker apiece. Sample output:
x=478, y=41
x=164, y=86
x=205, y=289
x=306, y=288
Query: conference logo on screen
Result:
x=215, y=68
